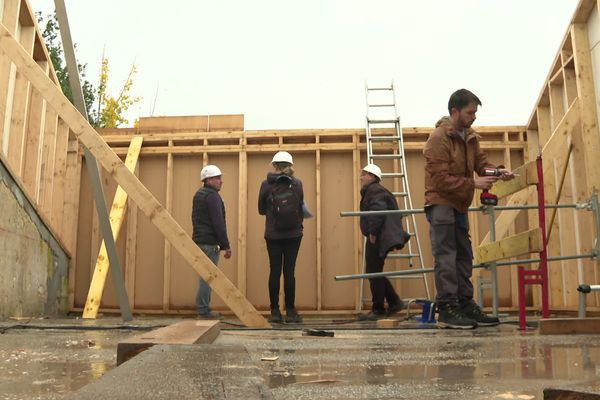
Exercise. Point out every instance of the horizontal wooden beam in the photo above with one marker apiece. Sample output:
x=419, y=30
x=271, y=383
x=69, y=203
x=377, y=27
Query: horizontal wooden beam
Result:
x=294, y=147
x=145, y=200
x=525, y=175
x=512, y=246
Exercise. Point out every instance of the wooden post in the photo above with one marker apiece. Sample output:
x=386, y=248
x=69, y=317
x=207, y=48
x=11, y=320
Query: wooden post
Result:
x=168, y=247
x=242, y=254
x=130, y=255
x=318, y=223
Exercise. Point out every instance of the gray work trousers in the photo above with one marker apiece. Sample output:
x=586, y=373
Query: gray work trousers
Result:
x=453, y=256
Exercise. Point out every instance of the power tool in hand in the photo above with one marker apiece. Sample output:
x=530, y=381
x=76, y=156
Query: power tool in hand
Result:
x=486, y=198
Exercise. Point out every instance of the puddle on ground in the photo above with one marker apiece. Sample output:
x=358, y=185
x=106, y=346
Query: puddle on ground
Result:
x=515, y=369
x=42, y=378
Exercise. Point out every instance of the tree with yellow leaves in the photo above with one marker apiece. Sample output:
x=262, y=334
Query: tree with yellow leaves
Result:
x=111, y=109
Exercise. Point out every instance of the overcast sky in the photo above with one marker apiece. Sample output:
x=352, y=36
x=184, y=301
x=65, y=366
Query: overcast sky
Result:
x=303, y=64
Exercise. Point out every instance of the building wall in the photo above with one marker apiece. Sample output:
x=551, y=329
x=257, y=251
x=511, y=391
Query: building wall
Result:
x=34, y=267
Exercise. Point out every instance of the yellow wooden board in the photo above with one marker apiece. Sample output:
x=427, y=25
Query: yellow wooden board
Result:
x=516, y=245
x=117, y=215
x=525, y=175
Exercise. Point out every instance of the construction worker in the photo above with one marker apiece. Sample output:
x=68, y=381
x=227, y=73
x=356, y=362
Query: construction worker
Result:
x=281, y=199
x=209, y=231
x=383, y=233
x=452, y=153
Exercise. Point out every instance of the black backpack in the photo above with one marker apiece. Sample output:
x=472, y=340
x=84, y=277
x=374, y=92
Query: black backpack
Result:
x=285, y=204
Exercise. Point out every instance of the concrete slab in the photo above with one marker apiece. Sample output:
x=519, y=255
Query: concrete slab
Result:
x=360, y=361
x=182, y=372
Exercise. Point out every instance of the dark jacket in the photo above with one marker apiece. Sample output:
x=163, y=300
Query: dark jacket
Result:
x=449, y=165
x=264, y=207
x=208, y=218
x=388, y=228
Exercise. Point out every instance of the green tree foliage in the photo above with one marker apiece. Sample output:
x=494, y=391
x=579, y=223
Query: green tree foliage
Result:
x=103, y=109
x=50, y=33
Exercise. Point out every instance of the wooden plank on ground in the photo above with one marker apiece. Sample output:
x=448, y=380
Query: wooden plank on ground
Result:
x=183, y=332
x=512, y=246
x=567, y=394
x=565, y=326
x=145, y=200
x=525, y=175
x=117, y=214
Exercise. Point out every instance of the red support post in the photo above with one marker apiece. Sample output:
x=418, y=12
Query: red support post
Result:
x=522, y=316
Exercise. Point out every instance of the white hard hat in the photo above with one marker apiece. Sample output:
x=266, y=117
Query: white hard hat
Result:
x=373, y=169
x=283, y=156
x=209, y=171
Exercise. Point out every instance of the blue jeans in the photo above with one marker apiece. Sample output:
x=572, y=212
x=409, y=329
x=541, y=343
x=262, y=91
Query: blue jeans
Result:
x=204, y=291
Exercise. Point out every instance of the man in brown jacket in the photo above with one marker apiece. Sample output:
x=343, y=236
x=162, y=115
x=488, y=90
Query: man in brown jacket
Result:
x=452, y=153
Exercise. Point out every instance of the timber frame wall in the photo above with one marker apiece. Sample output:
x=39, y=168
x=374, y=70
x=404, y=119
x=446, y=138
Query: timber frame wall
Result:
x=327, y=161
x=44, y=154
x=567, y=113
x=34, y=141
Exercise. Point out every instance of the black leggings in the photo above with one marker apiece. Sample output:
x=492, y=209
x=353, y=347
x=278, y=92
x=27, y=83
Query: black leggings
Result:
x=283, y=253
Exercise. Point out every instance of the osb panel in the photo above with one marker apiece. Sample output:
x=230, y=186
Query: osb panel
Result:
x=84, y=236
x=186, y=181
x=257, y=261
x=407, y=287
x=184, y=280
x=257, y=276
x=337, y=233
x=306, y=265
x=226, y=122
x=195, y=122
x=150, y=242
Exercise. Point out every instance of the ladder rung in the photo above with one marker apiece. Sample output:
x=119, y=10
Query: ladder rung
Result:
x=381, y=156
x=392, y=175
x=380, y=88
x=402, y=256
x=400, y=194
x=382, y=105
x=383, y=121
x=384, y=138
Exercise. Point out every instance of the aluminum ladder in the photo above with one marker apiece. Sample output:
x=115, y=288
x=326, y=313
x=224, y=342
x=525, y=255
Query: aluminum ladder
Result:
x=383, y=126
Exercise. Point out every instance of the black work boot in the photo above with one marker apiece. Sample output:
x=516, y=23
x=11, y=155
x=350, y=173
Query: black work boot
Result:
x=451, y=316
x=276, y=316
x=473, y=311
x=291, y=315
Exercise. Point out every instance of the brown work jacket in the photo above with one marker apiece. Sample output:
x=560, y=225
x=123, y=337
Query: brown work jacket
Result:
x=449, y=165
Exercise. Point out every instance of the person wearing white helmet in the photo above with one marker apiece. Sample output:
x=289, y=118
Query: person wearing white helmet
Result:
x=209, y=231
x=280, y=199
x=383, y=233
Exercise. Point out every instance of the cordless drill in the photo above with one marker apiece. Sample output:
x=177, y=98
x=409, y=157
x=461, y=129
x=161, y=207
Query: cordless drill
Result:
x=486, y=198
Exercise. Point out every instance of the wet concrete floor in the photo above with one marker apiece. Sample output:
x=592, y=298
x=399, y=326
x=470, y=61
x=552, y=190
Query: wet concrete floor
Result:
x=487, y=363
